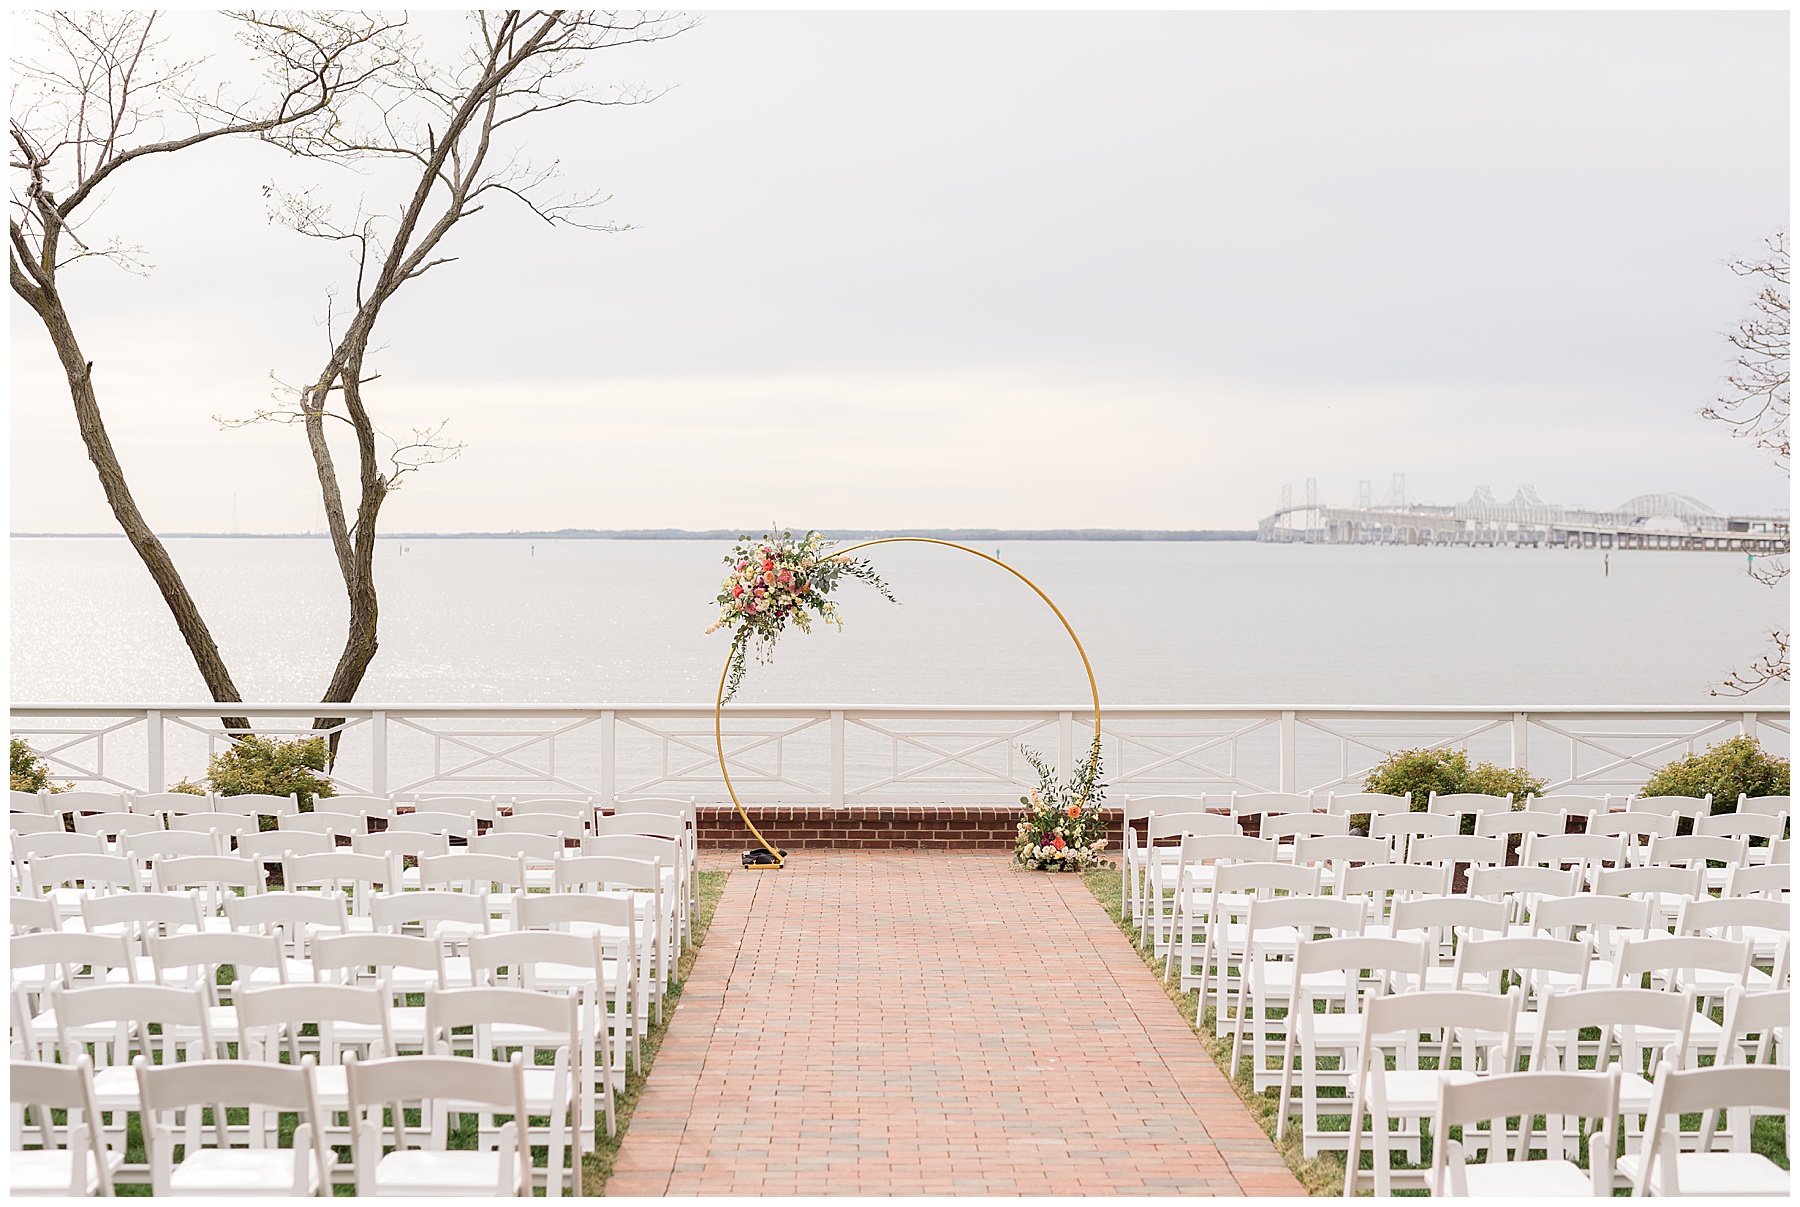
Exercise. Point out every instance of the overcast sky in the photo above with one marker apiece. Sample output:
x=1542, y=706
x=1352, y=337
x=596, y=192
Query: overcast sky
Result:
x=1017, y=269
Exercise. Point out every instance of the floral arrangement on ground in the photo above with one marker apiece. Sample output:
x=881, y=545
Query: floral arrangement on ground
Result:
x=775, y=579
x=1063, y=828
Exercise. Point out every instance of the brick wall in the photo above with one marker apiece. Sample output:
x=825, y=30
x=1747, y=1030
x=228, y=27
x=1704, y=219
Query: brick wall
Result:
x=902, y=827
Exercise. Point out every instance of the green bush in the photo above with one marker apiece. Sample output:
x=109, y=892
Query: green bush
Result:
x=30, y=773
x=256, y=764
x=1416, y=774
x=1726, y=769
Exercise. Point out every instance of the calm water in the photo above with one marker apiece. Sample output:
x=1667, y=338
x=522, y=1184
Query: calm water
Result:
x=1176, y=623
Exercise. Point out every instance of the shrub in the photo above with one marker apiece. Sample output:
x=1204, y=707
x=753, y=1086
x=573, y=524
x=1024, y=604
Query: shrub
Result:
x=30, y=773
x=256, y=764
x=1737, y=765
x=1416, y=774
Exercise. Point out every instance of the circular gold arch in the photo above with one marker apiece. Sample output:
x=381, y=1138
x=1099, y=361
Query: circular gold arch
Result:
x=719, y=704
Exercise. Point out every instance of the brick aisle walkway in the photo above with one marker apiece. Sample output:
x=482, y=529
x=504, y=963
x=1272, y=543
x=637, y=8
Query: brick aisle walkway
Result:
x=931, y=1024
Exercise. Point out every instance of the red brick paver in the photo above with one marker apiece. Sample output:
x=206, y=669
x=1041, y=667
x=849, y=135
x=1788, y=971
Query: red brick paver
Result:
x=931, y=1024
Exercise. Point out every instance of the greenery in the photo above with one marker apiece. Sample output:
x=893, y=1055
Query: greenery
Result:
x=1063, y=828
x=30, y=773
x=1416, y=774
x=1726, y=769
x=271, y=765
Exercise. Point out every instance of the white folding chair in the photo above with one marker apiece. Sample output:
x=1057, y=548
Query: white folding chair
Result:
x=1336, y=968
x=540, y=1024
x=643, y=881
x=40, y=823
x=669, y=854
x=440, y=1084
x=121, y=1017
x=262, y=1168
x=1374, y=804
x=1335, y=854
x=1636, y=827
x=359, y=808
x=257, y=804
x=1761, y=804
x=1756, y=1030
x=82, y=1165
x=611, y=920
x=1764, y=922
x=397, y=846
x=1768, y=880
x=1401, y=830
x=1275, y=928
x=66, y=879
x=273, y=846
x=1662, y=1169
x=574, y=965
x=1522, y=821
x=1529, y=963
x=57, y=842
x=1707, y=967
x=403, y=963
x=1603, y=921
x=1667, y=889
x=342, y=872
x=1682, y=808
x=1380, y=886
x=1443, y=1026
x=1443, y=924
x=1527, y=1095
x=345, y=1020
x=479, y=808
x=165, y=803
x=32, y=913
x=539, y=851
x=1198, y=861
x=1135, y=816
x=1464, y=804
x=214, y=877
x=1642, y=1025
x=1172, y=870
x=1255, y=804
x=197, y=959
x=111, y=827
x=429, y=821
x=1569, y=803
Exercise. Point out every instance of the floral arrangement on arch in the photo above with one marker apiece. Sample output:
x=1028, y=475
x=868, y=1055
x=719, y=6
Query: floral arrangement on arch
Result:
x=1063, y=828
x=775, y=579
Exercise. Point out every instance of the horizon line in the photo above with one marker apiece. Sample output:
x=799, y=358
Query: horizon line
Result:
x=719, y=534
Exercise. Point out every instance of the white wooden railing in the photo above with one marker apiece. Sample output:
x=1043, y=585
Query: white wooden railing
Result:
x=806, y=754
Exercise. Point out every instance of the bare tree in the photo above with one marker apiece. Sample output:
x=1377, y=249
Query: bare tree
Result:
x=1754, y=404
x=98, y=96
x=457, y=127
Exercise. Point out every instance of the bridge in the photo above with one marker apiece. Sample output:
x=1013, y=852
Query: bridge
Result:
x=1649, y=521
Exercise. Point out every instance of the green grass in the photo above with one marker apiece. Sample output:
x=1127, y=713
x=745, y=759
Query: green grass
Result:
x=598, y=1164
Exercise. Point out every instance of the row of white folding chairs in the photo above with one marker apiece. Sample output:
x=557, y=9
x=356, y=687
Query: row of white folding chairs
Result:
x=1247, y=804
x=1585, y=939
x=1163, y=867
x=65, y=859
x=1393, y=820
x=228, y=892
x=594, y=959
x=1661, y=1169
x=1500, y=901
x=1356, y=1000
x=644, y=863
x=499, y=1086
